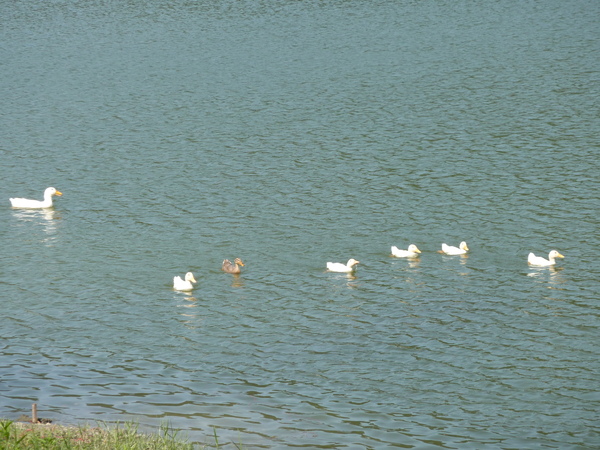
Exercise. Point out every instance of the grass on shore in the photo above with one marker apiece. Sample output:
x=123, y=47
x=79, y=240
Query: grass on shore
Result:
x=22, y=435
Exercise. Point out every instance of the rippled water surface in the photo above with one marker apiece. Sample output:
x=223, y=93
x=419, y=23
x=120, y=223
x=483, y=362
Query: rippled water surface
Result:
x=290, y=134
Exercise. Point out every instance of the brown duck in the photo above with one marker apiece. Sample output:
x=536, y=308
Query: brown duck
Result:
x=234, y=267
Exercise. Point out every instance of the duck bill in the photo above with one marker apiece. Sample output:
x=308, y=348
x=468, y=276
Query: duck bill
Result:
x=559, y=256
x=58, y=193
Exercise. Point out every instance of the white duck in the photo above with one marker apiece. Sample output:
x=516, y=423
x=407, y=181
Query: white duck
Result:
x=339, y=267
x=460, y=250
x=410, y=253
x=186, y=284
x=26, y=203
x=539, y=261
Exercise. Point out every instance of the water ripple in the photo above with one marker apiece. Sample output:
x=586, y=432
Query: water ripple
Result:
x=289, y=136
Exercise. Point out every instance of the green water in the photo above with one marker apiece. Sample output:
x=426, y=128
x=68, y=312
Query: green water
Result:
x=290, y=134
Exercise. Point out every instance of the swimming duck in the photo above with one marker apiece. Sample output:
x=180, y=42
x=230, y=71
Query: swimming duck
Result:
x=234, y=267
x=185, y=284
x=339, y=267
x=26, y=203
x=410, y=253
x=539, y=261
x=460, y=250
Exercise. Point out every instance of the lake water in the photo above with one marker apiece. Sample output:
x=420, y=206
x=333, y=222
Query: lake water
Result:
x=289, y=134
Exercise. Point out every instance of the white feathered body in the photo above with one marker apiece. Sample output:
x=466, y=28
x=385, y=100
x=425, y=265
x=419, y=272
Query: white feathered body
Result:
x=412, y=252
x=184, y=284
x=460, y=250
x=35, y=204
x=339, y=267
x=540, y=261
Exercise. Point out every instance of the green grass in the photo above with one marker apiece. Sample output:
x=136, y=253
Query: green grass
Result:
x=28, y=436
